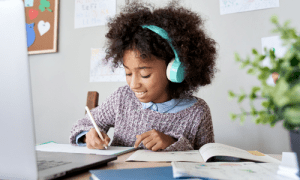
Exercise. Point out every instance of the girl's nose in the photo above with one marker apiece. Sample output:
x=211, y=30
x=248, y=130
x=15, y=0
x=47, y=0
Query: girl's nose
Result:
x=135, y=82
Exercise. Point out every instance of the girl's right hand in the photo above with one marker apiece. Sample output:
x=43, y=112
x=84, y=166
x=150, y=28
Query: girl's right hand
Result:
x=93, y=141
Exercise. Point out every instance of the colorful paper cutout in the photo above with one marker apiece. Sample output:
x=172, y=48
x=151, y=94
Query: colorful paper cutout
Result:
x=33, y=14
x=43, y=27
x=44, y=5
x=28, y=3
x=30, y=34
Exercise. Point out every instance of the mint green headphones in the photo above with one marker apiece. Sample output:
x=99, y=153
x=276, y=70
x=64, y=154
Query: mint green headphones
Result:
x=175, y=69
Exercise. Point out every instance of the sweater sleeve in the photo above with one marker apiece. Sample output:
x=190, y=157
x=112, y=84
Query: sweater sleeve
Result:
x=203, y=135
x=104, y=116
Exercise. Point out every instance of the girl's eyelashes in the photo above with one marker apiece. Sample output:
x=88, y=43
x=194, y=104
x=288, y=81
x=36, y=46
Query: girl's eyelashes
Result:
x=141, y=76
x=146, y=76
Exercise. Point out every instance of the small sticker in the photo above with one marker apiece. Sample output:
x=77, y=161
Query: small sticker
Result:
x=43, y=27
x=28, y=3
x=32, y=14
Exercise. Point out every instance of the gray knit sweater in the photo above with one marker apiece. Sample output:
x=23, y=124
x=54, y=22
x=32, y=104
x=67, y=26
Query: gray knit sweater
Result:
x=192, y=127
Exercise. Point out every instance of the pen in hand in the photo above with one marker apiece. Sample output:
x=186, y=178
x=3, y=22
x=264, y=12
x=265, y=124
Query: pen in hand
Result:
x=95, y=125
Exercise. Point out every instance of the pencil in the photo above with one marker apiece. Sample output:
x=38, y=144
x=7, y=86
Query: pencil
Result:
x=95, y=125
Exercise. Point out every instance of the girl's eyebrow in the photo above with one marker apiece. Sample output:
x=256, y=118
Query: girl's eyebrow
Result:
x=143, y=67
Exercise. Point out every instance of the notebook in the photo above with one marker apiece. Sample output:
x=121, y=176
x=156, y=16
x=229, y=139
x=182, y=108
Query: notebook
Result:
x=18, y=158
x=207, y=153
x=157, y=173
x=68, y=148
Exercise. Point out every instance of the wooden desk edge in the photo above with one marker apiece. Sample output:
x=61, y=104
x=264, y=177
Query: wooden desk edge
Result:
x=121, y=164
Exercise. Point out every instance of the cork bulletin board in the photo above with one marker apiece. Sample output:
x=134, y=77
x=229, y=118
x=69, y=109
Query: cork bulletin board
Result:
x=41, y=25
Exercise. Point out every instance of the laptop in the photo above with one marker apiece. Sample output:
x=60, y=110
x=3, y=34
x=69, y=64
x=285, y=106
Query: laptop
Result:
x=18, y=157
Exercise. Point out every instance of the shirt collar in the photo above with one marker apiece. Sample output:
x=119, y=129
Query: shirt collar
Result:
x=161, y=107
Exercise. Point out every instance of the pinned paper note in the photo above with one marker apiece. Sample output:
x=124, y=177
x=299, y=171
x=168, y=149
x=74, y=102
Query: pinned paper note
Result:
x=32, y=14
x=43, y=27
x=103, y=73
x=28, y=3
x=234, y=6
x=93, y=13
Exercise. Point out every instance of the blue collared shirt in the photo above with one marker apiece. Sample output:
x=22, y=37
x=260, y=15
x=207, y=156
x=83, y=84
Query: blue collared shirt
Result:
x=172, y=106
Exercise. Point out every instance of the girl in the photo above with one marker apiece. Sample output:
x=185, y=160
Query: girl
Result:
x=156, y=110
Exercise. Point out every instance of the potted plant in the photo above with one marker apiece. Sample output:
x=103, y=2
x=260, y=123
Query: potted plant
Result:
x=281, y=102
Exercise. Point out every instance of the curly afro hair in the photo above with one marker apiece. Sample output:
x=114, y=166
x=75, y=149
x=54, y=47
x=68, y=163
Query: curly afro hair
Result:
x=195, y=49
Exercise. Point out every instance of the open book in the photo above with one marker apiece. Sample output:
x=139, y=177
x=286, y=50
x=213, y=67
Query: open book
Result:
x=207, y=153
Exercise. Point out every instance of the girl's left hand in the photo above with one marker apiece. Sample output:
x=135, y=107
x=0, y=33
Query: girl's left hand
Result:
x=154, y=140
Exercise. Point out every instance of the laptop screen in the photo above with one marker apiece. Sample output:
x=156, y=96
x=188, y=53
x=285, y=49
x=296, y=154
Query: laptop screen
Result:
x=17, y=153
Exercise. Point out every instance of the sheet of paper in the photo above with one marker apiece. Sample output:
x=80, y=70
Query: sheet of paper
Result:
x=93, y=13
x=227, y=170
x=68, y=148
x=100, y=72
x=274, y=43
x=289, y=165
x=148, y=155
x=217, y=149
x=235, y=6
x=289, y=160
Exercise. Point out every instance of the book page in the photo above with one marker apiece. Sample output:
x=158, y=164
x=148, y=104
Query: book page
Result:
x=148, y=155
x=68, y=148
x=216, y=149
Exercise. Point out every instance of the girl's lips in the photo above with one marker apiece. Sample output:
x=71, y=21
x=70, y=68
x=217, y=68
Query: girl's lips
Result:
x=140, y=94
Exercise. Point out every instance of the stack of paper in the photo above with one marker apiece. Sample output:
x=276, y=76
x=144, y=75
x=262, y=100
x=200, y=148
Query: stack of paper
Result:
x=227, y=170
x=289, y=166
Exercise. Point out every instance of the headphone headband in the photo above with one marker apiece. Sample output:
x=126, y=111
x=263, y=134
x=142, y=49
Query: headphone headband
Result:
x=164, y=35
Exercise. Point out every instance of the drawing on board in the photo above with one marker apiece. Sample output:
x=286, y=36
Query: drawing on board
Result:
x=93, y=13
x=234, y=6
x=100, y=72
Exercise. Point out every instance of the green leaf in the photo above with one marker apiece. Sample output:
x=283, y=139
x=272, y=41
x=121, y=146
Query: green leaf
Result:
x=253, y=111
x=242, y=118
x=233, y=116
x=294, y=94
x=279, y=93
x=255, y=89
x=292, y=115
x=257, y=120
x=253, y=92
x=274, y=19
x=251, y=71
x=262, y=57
x=237, y=57
x=231, y=94
x=254, y=51
x=286, y=23
x=272, y=120
x=252, y=96
x=272, y=54
x=265, y=104
x=245, y=63
x=241, y=98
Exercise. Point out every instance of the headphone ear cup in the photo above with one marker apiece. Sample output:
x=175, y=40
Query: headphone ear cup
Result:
x=169, y=69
